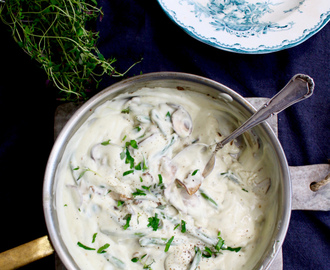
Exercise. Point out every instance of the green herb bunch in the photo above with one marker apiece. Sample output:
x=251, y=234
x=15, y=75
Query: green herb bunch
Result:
x=54, y=32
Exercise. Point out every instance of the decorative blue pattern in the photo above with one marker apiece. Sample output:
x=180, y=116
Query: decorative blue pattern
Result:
x=238, y=17
x=244, y=21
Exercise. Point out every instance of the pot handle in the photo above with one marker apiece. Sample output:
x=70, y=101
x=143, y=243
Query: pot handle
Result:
x=26, y=253
x=310, y=187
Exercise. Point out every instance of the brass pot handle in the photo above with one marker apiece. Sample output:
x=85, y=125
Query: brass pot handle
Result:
x=26, y=253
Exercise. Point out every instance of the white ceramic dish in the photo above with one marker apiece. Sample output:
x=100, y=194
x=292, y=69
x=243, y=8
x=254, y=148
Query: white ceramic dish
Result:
x=249, y=26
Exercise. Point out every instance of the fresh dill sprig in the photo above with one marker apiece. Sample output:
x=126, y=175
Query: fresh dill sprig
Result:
x=55, y=34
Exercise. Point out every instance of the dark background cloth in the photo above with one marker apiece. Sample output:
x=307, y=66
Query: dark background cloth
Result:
x=132, y=29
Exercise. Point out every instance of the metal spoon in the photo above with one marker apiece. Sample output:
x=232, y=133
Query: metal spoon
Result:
x=298, y=88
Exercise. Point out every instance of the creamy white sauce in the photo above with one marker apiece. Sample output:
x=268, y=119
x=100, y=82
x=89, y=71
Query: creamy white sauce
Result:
x=95, y=191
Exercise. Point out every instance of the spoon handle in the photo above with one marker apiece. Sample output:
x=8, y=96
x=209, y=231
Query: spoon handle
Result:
x=298, y=88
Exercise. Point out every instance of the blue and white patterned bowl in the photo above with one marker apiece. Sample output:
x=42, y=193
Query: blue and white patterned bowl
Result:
x=249, y=26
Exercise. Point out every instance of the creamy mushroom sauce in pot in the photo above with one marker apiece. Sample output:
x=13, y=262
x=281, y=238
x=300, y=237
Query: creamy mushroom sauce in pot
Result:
x=119, y=200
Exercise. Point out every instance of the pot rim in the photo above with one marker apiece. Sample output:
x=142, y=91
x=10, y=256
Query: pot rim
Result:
x=86, y=109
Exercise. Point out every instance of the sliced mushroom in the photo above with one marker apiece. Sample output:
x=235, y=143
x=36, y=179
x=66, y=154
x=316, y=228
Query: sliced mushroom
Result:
x=182, y=122
x=191, y=162
x=192, y=183
x=263, y=186
x=119, y=197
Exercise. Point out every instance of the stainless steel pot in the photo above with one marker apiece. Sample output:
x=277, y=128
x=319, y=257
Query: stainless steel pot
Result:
x=240, y=108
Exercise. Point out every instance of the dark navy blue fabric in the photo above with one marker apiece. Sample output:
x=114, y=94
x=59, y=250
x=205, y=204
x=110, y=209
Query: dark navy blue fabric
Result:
x=135, y=29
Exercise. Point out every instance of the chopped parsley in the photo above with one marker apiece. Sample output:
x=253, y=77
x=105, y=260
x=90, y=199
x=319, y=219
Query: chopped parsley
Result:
x=220, y=243
x=128, y=219
x=94, y=237
x=129, y=159
x=168, y=244
x=183, y=226
x=134, y=144
x=146, y=188
x=153, y=222
x=106, y=142
x=138, y=167
x=84, y=247
x=160, y=179
x=139, y=192
x=83, y=173
x=125, y=153
x=125, y=110
x=194, y=172
x=208, y=252
x=138, y=128
x=103, y=248
x=128, y=172
x=205, y=196
x=135, y=259
x=145, y=265
x=232, y=249
x=144, y=168
x=120, y=203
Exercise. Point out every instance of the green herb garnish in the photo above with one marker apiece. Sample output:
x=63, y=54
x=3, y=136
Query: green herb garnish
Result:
x=134, y=144
x=144, y=165
x=146, y=188
x=221, y=245
x=128, y=219
x=194, y=172
x=153, y=222
x=168, y=244
x=129, y=159
x=145, y=265
x=183, y=226
x=135, y=259
x=106, y=142
x=94, y=237
x=209, y=198
x=208, y=251
x=83, y=172
x=128, y=172
x=84, y=247
x=102, y=249
x=232, y=249
x=125, y=110
x=120, y=203
x=138, y=167
x=139, y=192
x=160, y=178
